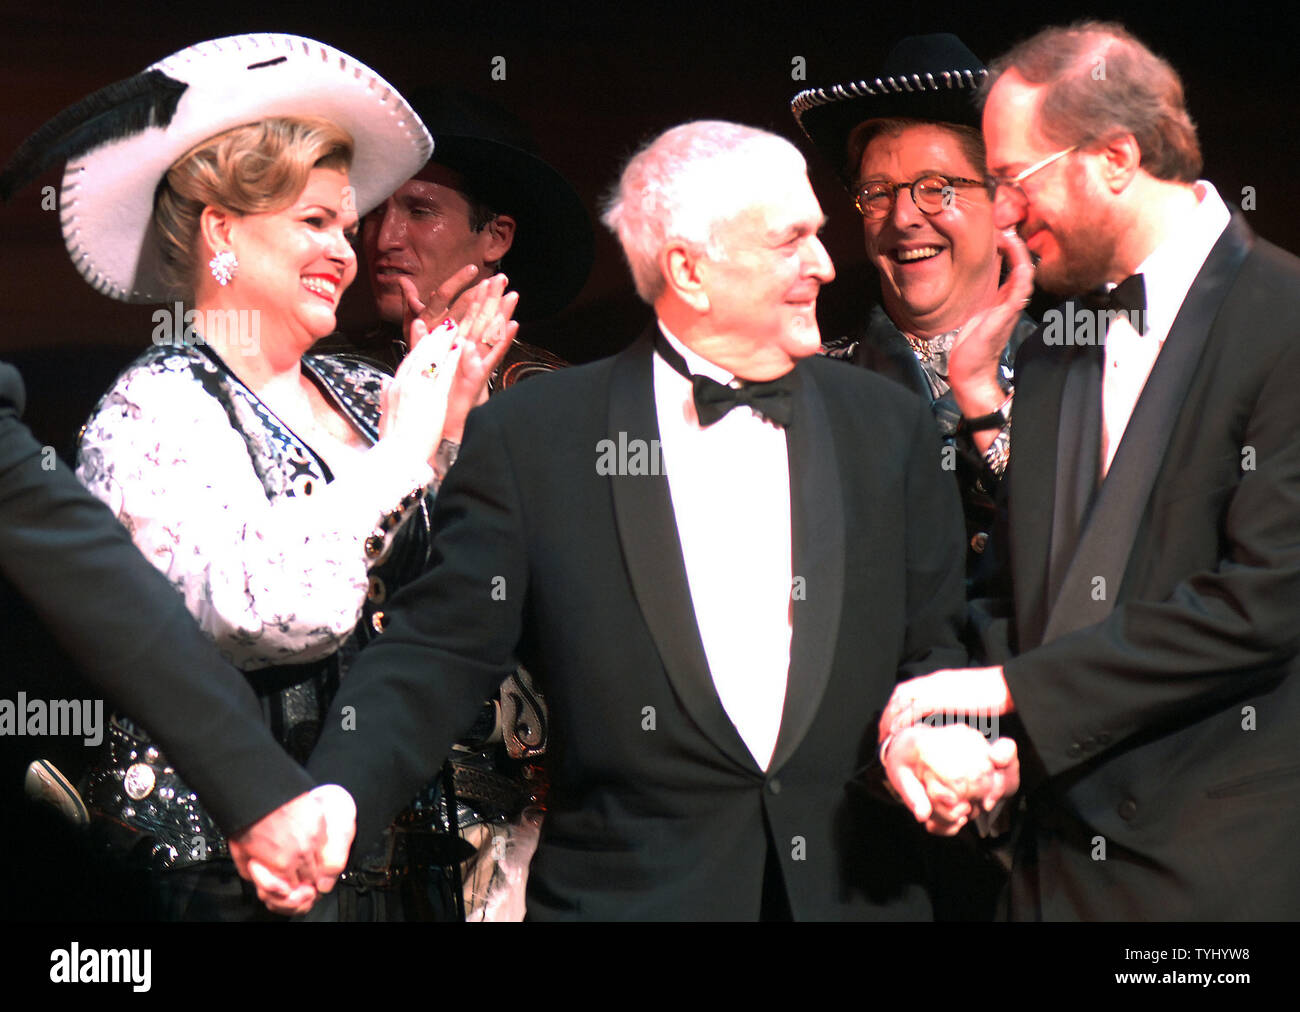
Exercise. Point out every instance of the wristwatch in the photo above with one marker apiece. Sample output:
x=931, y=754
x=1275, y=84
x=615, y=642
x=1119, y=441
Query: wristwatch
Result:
x=447, y=452
x=993, y=420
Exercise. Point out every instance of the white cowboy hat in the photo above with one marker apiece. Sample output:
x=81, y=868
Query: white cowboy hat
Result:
x=120, y=141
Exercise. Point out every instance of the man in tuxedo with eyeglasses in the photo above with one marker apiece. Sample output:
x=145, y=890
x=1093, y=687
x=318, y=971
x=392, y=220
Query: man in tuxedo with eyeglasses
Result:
x=1149, y=649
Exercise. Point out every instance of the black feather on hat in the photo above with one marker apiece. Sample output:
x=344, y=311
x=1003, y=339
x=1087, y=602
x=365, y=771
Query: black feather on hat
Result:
x=120, y=141
x=115, y=111
x=925, y=77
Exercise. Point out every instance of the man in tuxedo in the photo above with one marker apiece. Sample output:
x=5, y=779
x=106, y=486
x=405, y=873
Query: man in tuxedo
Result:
x=1151, y=649
x=67, y=565
x=663, y=538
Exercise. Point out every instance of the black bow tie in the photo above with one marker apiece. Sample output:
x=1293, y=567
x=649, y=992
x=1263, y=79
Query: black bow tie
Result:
x=773, y=399
x=1128, y=297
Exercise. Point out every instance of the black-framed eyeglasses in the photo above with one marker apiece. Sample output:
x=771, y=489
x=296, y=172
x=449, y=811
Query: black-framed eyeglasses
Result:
x=931, y=194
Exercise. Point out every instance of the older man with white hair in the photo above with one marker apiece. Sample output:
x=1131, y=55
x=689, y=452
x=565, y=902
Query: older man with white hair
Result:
x=664, y=538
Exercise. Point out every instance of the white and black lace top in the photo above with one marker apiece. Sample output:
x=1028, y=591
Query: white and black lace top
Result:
x=266, y=544
x=278, y=557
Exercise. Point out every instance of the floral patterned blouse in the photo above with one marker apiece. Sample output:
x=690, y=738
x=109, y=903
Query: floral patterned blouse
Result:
x=267, y=547
x=283, y=562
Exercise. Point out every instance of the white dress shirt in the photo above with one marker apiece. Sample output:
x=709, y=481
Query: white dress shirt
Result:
x=730, y=488
x=1167, y=274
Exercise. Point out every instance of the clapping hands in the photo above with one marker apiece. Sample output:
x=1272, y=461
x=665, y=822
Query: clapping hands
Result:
x=445, y=374
x=486, y=330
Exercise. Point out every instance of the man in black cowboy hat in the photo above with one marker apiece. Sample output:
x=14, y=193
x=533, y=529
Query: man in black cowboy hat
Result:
x=906, y=144
x=484, y=201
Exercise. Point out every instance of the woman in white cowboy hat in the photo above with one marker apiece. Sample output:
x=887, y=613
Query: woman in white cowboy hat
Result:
x=284, y=494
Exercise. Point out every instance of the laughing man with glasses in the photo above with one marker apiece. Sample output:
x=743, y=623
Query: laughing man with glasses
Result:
x=909, y=150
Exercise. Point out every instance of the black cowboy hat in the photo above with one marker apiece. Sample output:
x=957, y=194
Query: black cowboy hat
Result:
x=925, y=77
x=553, y=247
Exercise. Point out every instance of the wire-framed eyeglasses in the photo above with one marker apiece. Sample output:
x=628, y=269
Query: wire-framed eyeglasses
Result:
x=1012, y=183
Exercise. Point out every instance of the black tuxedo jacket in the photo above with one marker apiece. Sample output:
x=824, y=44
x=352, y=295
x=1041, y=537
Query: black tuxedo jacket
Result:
x=1156, y=673
x=67, y=564
x=657, y=810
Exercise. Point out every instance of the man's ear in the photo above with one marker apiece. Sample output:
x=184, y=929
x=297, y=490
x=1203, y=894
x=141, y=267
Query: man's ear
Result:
x=1121, y=157
x=684, y=269
x=500, y=235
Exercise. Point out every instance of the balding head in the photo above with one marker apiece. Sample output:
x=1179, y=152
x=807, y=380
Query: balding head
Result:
x=1101, y=81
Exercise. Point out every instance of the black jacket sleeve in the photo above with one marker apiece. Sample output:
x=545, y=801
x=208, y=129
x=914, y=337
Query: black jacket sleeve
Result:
x=129, y=631
x=450, y=639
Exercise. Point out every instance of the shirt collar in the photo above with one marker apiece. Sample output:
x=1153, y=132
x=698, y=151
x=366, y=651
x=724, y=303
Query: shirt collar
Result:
x=698, y=365
x=1168, y=272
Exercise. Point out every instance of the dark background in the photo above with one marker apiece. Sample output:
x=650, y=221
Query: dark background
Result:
x=592, y=83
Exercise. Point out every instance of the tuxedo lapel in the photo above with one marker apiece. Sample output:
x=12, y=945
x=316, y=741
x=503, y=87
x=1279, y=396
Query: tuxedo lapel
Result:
x=1031, y=479
x=817, y=542
x=652, y=550
x=1078, y=459
x=1108, y=536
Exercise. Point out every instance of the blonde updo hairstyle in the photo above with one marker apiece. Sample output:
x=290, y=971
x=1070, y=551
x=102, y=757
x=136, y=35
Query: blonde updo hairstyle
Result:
x=250, y=169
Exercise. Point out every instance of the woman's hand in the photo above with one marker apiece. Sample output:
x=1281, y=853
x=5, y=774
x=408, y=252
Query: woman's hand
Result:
x=414, y=403
x=445, y=373
x=487, y=331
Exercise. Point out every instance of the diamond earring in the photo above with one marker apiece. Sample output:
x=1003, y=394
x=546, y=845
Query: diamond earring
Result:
x=223, y=267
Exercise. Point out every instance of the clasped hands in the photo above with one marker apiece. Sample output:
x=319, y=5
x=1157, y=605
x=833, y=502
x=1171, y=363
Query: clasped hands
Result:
x=946, y=772
x=297, y=851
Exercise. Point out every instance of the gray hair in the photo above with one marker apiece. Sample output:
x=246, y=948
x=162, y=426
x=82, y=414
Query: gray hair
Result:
x=681, y=186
